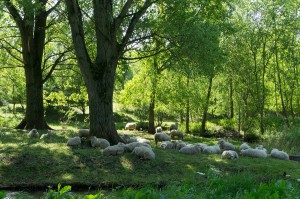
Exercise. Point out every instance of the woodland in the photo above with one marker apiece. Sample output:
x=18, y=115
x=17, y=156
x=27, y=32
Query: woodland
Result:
x=227, y=69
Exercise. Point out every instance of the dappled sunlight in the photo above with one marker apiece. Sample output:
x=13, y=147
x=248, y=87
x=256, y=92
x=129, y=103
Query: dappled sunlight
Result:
x=67, y=177
x=126, y=163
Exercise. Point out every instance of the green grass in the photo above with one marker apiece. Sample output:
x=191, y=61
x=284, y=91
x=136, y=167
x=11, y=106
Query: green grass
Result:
x=26, y=162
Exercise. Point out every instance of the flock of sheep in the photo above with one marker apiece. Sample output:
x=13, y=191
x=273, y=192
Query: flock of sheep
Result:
x=142, y=147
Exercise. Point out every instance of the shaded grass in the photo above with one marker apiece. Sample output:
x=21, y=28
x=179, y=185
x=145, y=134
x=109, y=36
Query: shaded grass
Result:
x=38, y=163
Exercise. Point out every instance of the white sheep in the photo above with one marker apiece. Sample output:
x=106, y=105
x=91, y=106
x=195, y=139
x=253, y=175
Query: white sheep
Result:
x=159, y=137
x=168, y=145
x=130, y=126
x=99, y=142
x=275, y=153
x=130, y=146
x=261, y=147
x=114, y=150
x=158, y=129
x=190, y=149
x=75, y=141
x=180, y=144
x=244, y=146
x=47, y=135
x=201, y=146
x=225, y=145
x=212, y=149
x=128, y=139
x=254, y=153
x=229, y=154
x=84, y=133
x=33, y=134
x=143, y=140
x=176, y=134
x=144, y=153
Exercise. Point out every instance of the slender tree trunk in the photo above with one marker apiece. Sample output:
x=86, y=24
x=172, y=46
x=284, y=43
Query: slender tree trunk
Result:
x=204, y=118
x=231, y=99
x=151, y=127
x=187, y=116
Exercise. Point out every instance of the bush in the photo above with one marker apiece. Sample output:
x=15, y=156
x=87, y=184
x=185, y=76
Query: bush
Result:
x=251, y=137
x=142, y=125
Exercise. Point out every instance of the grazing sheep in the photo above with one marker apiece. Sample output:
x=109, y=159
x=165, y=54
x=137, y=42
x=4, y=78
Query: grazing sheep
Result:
x=144, y=153
x=261, y=147
x=254, y=153
x=84, y=133
x=175, y=133
x=212, y=149
x=128, y=139
x=114, y=150
x=180, y=144
x=47, y=135
x=168, y=145
x=75, y=141
x=229, y=154
x=130, y=146
x=190, y=149
x=99, y=142
x=130, y=126
x=33, y=134
x=173, y=126
x=158, y=129
x=275, y=153
x=244, y=146
x=159, y=137
x=225, y=145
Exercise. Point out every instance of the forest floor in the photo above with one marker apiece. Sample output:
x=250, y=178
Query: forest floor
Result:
x=34, y=164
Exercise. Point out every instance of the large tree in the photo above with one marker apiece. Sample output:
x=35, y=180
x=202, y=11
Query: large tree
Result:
x=115, y=23
x=30, y=18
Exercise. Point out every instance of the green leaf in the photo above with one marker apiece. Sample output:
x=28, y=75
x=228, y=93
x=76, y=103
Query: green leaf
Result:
x=65, y=189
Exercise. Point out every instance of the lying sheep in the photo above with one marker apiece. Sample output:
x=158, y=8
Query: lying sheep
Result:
x=201, y=146
x=143, y=140
x=168, y=145
x=275, y=153
x=244, y=146
x=33, y=134
x=75, y=141
x=99, y=142
x=261, y=147
x=180, y=144
x=47, y=135
x=190, y=149
x=176, y=134
x=130, y=126
x=131, y=146
x=214, y=149
x=144, y=153
x=114, y=150
x=159, y=137
x=84, y=133
x=128, y=139
x=225, y=145
x=254, y=153
x=229, y=154
x=158, y=129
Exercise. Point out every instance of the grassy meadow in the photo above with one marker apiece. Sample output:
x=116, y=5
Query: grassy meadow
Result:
x=36, y=165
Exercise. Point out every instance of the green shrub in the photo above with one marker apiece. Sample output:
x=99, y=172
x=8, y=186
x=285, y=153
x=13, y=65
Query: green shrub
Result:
x=251, y=137
x=142, y=125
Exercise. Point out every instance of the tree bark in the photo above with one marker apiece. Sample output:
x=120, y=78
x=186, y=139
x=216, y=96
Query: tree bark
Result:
x=99, y=74
x=204, y=118
x=32, y=28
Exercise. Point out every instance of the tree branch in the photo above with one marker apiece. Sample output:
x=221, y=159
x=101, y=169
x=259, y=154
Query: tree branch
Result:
x=53, y=8
x=15, y=14
x=122, y=15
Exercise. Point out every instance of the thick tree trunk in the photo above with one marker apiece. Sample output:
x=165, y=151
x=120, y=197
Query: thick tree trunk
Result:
x=204, y=118
x=34, y=116
x=32, y=27
x=100, y=92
